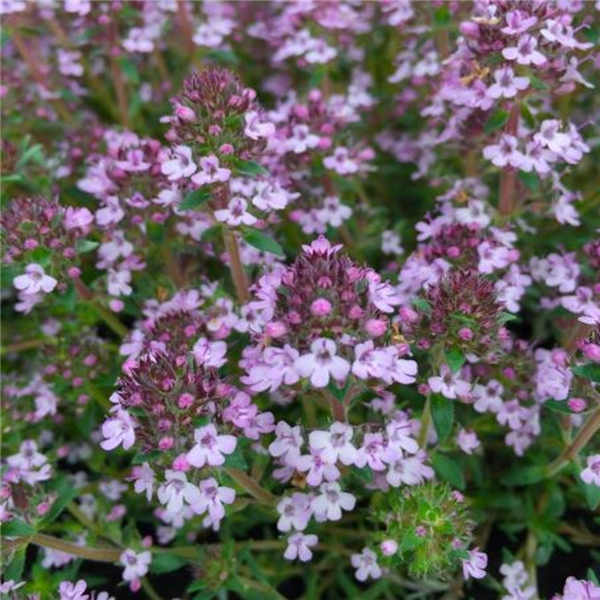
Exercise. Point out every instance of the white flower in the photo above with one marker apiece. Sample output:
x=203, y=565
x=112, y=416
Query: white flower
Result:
x=136, y=565
x=299, y=546
x=321, y=363
x=328, y=506
x=34, y=280
x=176, y=490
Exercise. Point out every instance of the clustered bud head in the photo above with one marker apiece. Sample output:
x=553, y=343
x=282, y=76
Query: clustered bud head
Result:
x=213, y=113
x=464, y=313
x=428, y=526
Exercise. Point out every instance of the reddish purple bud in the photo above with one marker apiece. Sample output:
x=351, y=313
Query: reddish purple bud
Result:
x=375, y=327
x=181, y=463
x=320, y=307
x=276, y=329
x=465, y=334
x=185, y=113
x=577, y=405
x=166, y=443
x=389, y=547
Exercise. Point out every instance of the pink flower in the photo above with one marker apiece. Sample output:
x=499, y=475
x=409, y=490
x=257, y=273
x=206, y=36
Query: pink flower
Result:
x=255, y=129
x=136, y=565
x=372, y=452
x=518, y=22
x=525, y=52
x=475, y=565
x=78, y=218
x=212, y=498
x=180, y=164
x=366, y=565
x=322, y=363
x=287, y=443
x=388, y=547
x=591, y=474
x=505, y=152
x=370, y=362
x=294, y=511
x=411, y=470
x=335, y=444
x=211, y=172
x=341, y=162
x=512, y=414
x=299, y=546
x=235, y=214
x=301, y=139
x=34, y=280
x=144, y=478
x=493, y=257
x=176, y=491
x=73, y=591
x=467, y=441
x=118, y=430
x=579, y=589
x=449, y=384
x=317, y=467
x=329, y=504
x=210, y=447
x=210, y=354
x=506, y=84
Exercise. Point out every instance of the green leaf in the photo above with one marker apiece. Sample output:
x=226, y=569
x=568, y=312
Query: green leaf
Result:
x=538, y=84
x=442, y=414
x=4, y=36
x=41, y=256
x=236, y=459
x=442, y=16
x=223, y=56
x=249, y=168
x=450, y=470
x=589, y=371
x=455, y=359
x=496, y=121
x=561, y=407
x=195, y=199
x=16, y=528
x=129, y=69
x=65, y=491
x=506, y=317
x=529, y=180
x=524, y=475
x=591, y=493
x=14, y=570
x=421, y=305
x=263, y=242
x=166, y=563
x=142, y=457
x=410, y=541
x=83, y=246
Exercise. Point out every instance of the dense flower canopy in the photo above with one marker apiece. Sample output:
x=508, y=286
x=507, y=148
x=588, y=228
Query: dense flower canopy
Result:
x=300, y=299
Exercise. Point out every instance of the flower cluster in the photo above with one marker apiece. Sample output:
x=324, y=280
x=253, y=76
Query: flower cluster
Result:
x=324, y=295
x=300, y=299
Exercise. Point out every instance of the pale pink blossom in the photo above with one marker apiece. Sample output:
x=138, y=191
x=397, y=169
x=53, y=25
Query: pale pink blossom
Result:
x=366, y=565
x=322, y=363
x=34, y=280
x=210, y=448
x=299, y=546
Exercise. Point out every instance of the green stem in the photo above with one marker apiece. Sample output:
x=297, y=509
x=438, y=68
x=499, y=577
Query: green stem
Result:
x=425, y=422
x=235, y=264
x=252, y=487
x=96, y=554
x=508, y=179
x=585, y=434
x=110, y=319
